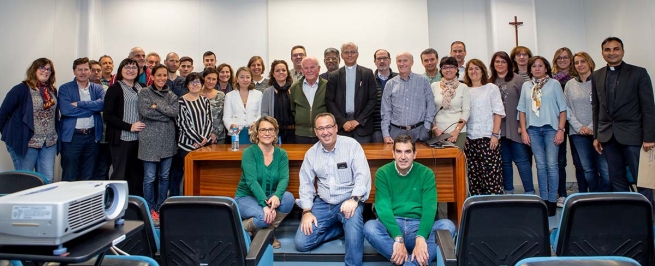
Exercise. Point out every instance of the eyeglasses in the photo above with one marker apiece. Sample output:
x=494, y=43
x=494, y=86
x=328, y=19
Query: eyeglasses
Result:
x=331, y=59
x=448, y=67
x=131, y=68
x=350, y=52
x=195, y=82
x=522, y=55
x=266, y=130
x=44, y=69
x=562, y=58
x=382, y=58
x=298, y=55
x=328, y=127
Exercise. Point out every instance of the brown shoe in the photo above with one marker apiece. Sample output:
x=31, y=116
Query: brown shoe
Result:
x=276, y=244
x=249, y=226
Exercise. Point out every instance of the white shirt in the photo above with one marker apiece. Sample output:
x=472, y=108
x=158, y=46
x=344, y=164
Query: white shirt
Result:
x=310, y=91
x=235, y=113
x=485, y=102
x=85, y=96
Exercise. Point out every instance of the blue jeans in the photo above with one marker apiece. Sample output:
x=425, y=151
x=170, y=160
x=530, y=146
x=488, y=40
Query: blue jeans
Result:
x=331, y=224
x=16, y=159
x=249, y=207
x=619, y=157
x=594, y=165
x=561, y=162
x=78, y=157
x=150, y=173
x=519, y=153
x=378, y=236
x=545, y=156
x=40, y=160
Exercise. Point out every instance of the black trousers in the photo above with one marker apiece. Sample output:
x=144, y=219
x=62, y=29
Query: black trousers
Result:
x=127, y=166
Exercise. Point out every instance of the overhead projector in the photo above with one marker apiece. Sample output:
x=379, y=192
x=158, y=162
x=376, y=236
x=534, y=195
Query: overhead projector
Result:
x=54, y=214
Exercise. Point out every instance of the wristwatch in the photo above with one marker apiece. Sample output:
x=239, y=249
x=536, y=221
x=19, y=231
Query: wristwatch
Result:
x=497, y=135
x=399, y=239
x=356, y=198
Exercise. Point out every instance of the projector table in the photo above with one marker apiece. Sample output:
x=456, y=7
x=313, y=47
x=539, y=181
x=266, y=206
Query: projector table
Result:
x=81, y=249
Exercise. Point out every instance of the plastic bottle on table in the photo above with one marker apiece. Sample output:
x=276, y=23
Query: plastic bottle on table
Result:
x=235, y=138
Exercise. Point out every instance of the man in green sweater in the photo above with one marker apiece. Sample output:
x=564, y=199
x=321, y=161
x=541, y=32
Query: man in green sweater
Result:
x=406, y=204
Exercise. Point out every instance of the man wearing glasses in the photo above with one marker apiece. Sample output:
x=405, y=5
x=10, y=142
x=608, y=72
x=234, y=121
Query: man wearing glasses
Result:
x=407, y=103
x=307, y=99
x=339, y=167
x=331, y=61
x=350, y=96
x=383, y=73
x=298, y=53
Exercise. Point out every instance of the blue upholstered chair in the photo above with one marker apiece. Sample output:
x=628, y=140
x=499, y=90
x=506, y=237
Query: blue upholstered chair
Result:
x=606, y=224
x=146, y=241
x=208, y=230
x=497, y=230
x=14, y=181
x=578, y=261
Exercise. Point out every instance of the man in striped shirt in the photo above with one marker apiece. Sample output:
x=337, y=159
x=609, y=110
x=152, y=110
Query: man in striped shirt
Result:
x=407, y=103
x=343, y=178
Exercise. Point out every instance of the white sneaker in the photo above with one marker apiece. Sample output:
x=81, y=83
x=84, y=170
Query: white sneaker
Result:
x=560, y=202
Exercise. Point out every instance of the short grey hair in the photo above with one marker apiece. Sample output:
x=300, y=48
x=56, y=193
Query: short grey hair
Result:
x=349, y=44
x=331, y=50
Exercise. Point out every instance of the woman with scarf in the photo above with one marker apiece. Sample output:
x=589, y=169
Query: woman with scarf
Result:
x=275, y=101
x=483, y=136
x=542, y=117
x=261, y=194
x=452, y=101
x=29, y=118
x=563, y=71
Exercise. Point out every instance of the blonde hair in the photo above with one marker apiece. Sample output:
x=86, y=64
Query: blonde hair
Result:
x=254, y=130
x=572, y=71
x=251, y=86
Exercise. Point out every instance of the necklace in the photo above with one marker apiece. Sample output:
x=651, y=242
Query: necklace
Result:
x=244, y=101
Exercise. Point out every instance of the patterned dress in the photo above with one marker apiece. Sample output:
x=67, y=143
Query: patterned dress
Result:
x=217, y=103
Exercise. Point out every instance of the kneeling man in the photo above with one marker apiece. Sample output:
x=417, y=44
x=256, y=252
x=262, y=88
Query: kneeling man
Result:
x=343, y=178
x=406, y=204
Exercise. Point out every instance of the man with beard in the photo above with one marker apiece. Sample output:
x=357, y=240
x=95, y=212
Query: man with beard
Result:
x=383, y=73
x=331, y=61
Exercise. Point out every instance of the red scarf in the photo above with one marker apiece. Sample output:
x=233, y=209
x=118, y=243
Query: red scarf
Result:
x=45, y=95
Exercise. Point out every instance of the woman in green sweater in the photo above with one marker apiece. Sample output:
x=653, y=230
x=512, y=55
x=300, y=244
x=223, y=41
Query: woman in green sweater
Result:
x=261, y=195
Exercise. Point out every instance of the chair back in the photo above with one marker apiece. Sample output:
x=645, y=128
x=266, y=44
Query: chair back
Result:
x=502, y=229
x=14, y=181
x=607, y=224
x=201, y=231
x=578, y=261
x=146, y=241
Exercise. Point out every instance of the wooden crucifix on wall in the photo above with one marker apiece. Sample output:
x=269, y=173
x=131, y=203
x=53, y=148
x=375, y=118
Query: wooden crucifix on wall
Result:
x=516, y=25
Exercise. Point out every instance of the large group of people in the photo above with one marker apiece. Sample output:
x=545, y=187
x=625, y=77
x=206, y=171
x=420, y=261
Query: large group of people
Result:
x=144, y=119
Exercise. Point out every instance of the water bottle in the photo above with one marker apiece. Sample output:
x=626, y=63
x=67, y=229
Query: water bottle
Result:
x=235, y=139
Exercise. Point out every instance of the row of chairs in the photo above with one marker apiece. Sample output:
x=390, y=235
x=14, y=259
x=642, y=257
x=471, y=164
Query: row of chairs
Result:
x=494, y=230
x=504, y=229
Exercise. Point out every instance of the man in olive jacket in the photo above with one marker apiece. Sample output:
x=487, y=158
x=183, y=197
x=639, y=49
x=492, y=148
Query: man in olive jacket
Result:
x=308, y=100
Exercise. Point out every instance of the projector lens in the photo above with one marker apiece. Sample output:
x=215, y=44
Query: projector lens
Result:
x=109, y=198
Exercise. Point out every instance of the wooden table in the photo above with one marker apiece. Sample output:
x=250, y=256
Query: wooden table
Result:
x=215, y=170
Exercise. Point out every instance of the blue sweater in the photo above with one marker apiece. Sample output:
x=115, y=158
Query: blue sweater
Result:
x=68, y=94
x=17, y=118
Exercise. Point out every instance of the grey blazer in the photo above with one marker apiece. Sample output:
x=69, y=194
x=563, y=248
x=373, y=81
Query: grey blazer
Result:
x=268, y=102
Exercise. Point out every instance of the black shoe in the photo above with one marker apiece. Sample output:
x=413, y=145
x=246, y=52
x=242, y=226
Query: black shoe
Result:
x=552, y=208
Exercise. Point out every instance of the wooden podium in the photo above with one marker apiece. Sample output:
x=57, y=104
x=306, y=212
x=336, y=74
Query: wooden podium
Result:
x=215, y=170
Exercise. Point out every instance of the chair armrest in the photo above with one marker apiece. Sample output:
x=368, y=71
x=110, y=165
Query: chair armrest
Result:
x=263, y=238
x=446, y=246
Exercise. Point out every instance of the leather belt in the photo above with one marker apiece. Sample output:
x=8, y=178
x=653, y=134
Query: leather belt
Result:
x=84, y=131
x=408, y=127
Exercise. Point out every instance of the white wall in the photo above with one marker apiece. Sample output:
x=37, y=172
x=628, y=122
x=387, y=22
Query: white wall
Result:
x=396, y=26
x=235, y=30
x=32, y=29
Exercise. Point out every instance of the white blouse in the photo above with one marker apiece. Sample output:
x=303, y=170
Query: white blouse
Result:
x=459, y=107
x=485, y=102
x=235, y=113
